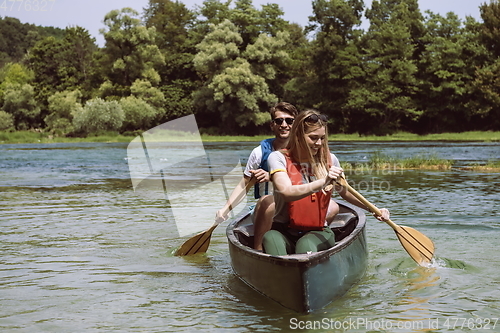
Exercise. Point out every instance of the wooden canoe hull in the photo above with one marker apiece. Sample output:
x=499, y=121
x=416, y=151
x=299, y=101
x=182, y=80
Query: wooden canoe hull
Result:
x=303, y=282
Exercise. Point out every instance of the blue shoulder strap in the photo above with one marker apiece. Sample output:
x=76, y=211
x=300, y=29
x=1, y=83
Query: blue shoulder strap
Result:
x=267, y=147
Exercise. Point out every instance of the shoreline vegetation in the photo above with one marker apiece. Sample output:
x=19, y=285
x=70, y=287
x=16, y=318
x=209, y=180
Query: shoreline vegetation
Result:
x=380, y=161
x=492, y=165
x=26, y=137
x=377, y=160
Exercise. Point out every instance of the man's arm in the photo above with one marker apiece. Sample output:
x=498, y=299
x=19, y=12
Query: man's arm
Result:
x=234, y=199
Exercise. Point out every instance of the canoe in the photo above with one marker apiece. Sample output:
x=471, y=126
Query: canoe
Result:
x=303, y=282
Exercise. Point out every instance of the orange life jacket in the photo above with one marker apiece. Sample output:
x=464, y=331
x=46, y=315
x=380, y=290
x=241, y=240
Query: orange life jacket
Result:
x=308, y=213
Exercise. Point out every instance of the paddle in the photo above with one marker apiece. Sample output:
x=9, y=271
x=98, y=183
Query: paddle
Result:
x=199, y=242
x=418, y=246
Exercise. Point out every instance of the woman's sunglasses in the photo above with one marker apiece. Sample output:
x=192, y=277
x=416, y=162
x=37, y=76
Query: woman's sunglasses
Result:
x=279, y=121
x=314, y=118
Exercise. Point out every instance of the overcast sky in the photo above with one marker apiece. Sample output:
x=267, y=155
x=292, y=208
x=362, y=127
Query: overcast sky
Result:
x=89, y=14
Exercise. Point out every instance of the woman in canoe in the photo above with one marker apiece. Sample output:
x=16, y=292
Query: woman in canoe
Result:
x=303, y=175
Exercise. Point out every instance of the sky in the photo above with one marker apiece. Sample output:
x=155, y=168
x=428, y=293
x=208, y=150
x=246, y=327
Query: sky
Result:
x=89, y=14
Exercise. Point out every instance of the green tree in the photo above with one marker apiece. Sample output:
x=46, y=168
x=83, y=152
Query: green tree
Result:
x=266, y=54
x=235, y=88
x=13, y=43
x=384, y=100
x=144, y=90
x=297, y=70
x=17, y=38
x=487, y=83
x=490, y=31
x=14, y=73
x=69, y=68
x=78, y=66
x=248, y=21
x=174, y=23
x=62, y=106
x=19, y=101
x=138, y=115
x=178, y=99
x=381, y=12
x=452, y=55
x=486, y=107
x=130, y=53
x=47, y=77
x=6, y=121
x=98, y=115
x=333, y=58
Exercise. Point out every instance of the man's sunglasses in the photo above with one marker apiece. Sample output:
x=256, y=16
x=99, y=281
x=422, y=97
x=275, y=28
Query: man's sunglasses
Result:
x=314, y=118
x=279, y=121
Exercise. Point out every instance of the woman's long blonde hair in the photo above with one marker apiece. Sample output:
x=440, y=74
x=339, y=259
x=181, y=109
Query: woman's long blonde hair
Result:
x=297, y=143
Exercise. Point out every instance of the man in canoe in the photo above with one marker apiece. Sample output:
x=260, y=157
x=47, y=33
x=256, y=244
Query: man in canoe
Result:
x=282, y=117
x=303, y=175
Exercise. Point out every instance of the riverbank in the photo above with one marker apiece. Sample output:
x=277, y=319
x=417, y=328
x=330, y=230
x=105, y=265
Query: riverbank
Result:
x=377, y=160
x=40, y=137
x=479, y=136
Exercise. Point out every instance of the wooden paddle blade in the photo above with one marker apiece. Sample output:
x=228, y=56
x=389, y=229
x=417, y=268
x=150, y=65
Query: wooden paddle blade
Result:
x=418, y=246
x=196, y=244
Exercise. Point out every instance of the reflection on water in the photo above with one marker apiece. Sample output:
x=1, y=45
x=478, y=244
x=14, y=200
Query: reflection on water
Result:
x=81, y=251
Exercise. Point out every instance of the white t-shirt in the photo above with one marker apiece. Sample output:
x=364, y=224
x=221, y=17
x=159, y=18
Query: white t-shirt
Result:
x=277, y=161
x=253, y=163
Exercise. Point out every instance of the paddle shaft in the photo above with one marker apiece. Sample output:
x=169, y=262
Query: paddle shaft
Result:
x=372, y=208
x=239, y=196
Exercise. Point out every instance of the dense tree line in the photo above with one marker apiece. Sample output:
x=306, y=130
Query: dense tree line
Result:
x=227, y=62
x=17, y=38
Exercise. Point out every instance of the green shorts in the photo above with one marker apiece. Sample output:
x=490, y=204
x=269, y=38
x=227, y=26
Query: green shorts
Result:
x=282, y=240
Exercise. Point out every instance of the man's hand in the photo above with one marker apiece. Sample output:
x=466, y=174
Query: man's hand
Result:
x=262, y=176
x=219, y=218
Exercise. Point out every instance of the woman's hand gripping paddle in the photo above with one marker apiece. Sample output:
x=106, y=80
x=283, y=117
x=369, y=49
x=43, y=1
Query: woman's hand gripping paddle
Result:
x=199, y=242
x=418, y=246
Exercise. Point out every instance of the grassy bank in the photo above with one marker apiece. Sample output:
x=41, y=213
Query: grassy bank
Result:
x=484, y=136
x=379, y=161
x=490, y=166
x=37, y=137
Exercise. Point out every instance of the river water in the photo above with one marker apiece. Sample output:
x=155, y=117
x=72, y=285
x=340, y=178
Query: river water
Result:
x=81, y=251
